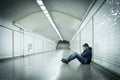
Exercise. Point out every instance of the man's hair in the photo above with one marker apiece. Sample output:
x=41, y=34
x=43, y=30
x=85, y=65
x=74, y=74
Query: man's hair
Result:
x=85, y=45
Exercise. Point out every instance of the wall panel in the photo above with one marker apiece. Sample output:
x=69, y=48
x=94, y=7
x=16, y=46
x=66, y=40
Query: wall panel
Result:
x=77, y=44
x=107, y=36
x=6, y=43
x=86, y=34
x=37, y=45
x=28, y=44
x=18, y=43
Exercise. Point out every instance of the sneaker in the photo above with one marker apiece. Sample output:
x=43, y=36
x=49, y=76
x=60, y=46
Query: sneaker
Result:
x=64, y=61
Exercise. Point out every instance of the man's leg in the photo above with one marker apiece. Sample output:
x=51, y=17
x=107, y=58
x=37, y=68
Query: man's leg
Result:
x=73, y=56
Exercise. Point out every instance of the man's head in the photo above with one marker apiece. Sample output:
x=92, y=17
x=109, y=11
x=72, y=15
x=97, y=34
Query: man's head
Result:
x=85, y=46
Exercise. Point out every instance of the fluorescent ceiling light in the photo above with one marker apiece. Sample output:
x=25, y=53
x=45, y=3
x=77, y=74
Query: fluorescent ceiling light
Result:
x=45, y=11
x=47, y=15
x=49, y=18
x=40, y=2
x=43, y=8
x=52, y=23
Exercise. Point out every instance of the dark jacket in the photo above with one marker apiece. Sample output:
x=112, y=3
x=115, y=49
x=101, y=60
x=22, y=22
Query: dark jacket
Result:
x=87, y=55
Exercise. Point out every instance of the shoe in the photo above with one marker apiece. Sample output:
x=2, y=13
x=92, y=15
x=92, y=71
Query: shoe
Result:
x=64, y=61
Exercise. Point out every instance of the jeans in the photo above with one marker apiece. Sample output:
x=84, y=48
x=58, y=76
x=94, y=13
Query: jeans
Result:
x=74, y=56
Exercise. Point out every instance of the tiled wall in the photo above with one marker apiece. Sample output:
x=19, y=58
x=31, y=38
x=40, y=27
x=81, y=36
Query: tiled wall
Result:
x=107, y=35
x=18, y=43
x=102, y=32
x=86, y=34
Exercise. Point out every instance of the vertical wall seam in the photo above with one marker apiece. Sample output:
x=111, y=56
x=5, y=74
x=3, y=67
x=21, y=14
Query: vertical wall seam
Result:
x=12, y=43
x=93, y=37
x=80, y=41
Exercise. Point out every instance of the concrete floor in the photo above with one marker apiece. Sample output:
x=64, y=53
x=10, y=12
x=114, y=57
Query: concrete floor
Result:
x=47, y=66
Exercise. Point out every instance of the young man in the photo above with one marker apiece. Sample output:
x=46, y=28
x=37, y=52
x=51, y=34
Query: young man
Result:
x=84, y=58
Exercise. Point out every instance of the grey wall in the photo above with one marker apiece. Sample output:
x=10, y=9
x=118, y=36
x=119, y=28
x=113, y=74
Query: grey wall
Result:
x=6, y=42
x=107, y=35
x=86, y=34
x=75, y=45
x=15, y=43
x=102, y=32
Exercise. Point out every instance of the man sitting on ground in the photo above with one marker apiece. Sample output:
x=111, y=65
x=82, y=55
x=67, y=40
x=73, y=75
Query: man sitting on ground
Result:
x=84, y=58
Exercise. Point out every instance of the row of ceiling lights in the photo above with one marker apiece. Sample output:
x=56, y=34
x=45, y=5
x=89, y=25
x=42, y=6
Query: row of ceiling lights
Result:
x=45, y=11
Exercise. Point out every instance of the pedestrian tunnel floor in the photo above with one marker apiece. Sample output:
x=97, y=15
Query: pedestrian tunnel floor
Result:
x=48, y=66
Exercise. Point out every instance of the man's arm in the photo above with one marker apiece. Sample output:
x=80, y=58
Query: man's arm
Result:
x=86, y=53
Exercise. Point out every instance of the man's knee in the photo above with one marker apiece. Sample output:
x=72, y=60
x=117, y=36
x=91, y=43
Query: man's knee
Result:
x=75, y=53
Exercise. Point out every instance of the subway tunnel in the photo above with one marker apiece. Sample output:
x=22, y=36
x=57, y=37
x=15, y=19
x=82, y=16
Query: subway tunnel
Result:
x=36, y=34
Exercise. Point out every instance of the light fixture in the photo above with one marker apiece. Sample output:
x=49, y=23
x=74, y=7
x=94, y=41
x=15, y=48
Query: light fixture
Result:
x=43, y=8
x=47, y=15
x=40, y=2
x=45, y=11
x=49, y=18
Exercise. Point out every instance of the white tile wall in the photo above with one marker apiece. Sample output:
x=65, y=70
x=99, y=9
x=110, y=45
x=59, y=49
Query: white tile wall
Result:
x=6, y=43
x=16, y=43
x=105, y=32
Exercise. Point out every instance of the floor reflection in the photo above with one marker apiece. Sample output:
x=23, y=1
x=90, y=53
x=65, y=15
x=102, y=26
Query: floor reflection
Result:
x=47, y=66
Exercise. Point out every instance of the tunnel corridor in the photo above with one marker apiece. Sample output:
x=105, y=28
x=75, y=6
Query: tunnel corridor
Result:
x=36, y=34
x=48, y=66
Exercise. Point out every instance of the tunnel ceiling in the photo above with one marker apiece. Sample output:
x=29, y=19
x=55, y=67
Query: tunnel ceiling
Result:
x=66, y=14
